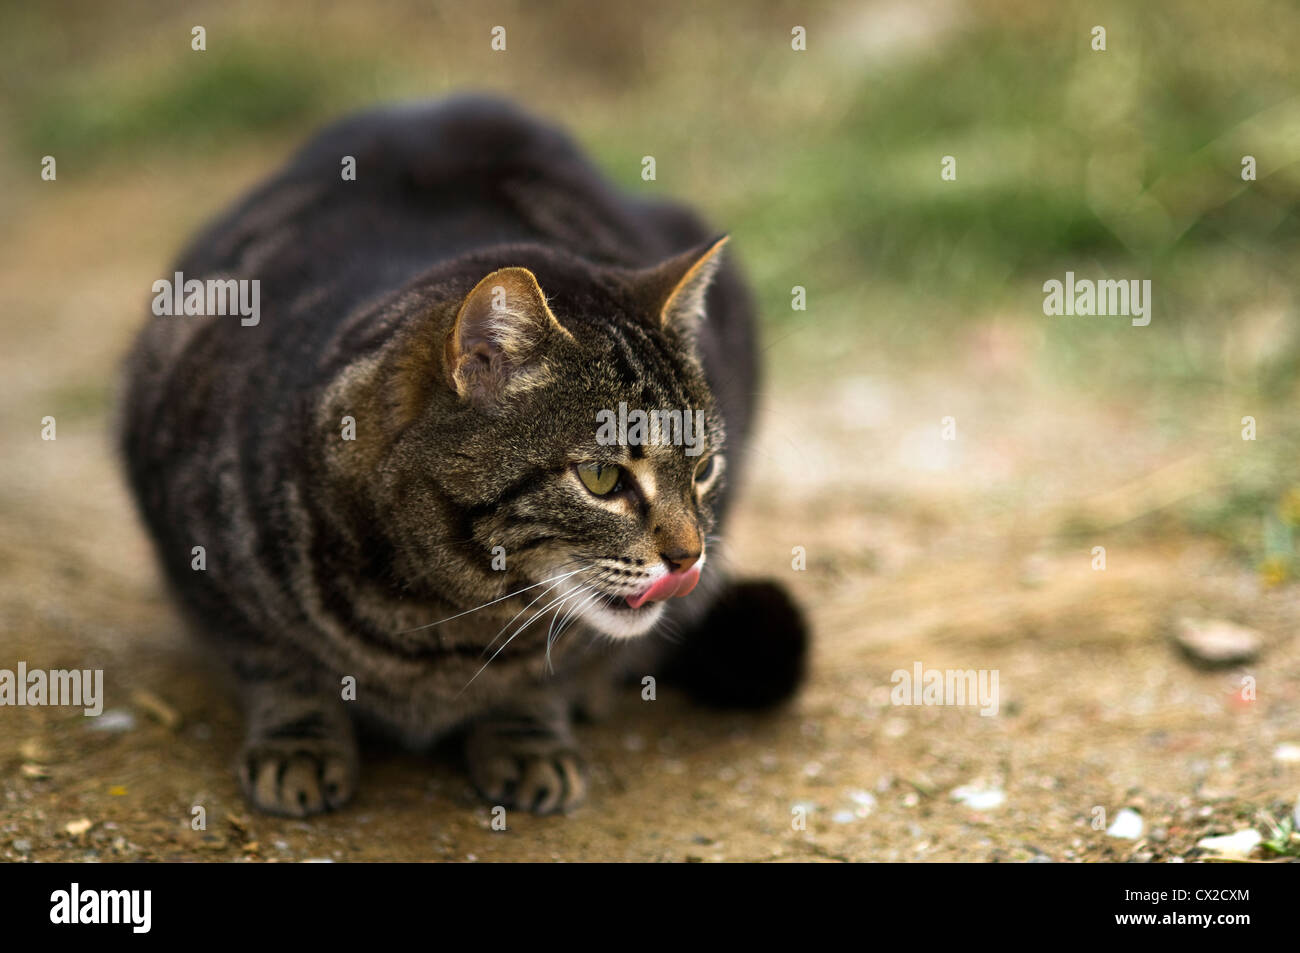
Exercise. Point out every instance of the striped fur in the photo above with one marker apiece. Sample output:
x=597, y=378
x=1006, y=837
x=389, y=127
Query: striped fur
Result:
x=329, y=558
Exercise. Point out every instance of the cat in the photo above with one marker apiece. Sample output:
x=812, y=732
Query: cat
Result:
x=384, y=501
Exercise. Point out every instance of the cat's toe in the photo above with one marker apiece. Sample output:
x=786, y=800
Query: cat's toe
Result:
x=544, y=782
x=552, y=785
x=298, y=780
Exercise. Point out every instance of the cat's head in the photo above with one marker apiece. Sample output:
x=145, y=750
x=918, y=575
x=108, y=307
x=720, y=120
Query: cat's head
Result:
x=575, y=440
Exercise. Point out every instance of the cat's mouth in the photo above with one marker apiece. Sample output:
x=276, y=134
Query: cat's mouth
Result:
x=668, y=586
x=621, y=615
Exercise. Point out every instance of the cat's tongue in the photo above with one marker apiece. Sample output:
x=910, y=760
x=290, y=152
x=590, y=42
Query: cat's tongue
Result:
x=673, y=584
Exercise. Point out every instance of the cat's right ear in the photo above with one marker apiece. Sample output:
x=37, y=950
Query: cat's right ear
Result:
x=501, y=331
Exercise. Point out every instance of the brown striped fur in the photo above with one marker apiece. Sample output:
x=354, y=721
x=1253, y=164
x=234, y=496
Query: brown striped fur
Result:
x=329, y=558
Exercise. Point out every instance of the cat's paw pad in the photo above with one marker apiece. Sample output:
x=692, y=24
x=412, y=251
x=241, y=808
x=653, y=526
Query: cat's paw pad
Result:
x=544, y=782
x=297, y=779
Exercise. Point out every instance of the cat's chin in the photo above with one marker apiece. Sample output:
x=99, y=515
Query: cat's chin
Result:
x=620, y=621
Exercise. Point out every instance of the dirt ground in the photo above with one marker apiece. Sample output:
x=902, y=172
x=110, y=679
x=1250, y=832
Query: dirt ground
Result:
x=947, y=553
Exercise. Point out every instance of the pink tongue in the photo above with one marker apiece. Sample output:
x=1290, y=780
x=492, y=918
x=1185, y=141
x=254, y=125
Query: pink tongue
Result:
x=673, y=584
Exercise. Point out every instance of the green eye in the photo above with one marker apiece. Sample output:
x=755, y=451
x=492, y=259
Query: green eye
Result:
x=600, y=478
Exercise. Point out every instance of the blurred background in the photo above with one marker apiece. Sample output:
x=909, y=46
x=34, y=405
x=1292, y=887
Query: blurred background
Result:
x=924, y=301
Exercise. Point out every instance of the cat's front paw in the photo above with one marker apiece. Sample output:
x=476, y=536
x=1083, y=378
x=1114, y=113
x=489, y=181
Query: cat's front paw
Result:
x=543, y=774
x=298, y=778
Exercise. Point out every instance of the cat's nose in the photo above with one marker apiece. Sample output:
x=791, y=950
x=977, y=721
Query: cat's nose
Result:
x=680, y=559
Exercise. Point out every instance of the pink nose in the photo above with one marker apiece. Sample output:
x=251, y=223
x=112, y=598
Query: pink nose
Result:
x=666, y=587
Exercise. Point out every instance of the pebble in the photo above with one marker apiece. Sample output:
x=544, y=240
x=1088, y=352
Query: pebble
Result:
x=159, y=709
x=1216, y=643
x=1287, y=753
x=864, y=801
x=1238, y=845
x=34, y=751
x=23, y=845
x=1127, y=825
x=894, y=727
x=979, y=798
x=115, y=720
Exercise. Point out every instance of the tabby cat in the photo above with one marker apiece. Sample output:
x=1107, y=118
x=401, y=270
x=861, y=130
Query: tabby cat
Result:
x=406, y=515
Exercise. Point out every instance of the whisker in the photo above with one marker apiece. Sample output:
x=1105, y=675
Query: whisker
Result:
x=541, y=595
x=493, y=602
x=535, y=600
x=553, y=634
x=538, y=614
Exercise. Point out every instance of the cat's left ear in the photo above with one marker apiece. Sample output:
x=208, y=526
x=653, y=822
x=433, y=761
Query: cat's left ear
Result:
x=681, y=284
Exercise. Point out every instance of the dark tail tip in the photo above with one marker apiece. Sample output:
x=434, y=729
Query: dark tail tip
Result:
x=750, y=651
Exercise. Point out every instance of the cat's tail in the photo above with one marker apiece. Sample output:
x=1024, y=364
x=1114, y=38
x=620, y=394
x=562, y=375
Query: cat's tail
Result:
x=749, y=651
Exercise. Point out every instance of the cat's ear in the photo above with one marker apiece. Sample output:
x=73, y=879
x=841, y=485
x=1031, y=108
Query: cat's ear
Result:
x=682, y=282
x=501, y=330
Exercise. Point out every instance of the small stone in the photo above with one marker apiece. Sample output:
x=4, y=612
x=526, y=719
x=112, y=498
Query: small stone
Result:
x=115, y=720
x=32, y=750
x=1287, y=753
x=1127, y=825
x=1216, y=643
x=864, y=802
x=78, y=827
x=844, y=817
x=894, y=727
x=1238, y=845
x=159, y=709
x=979, y=798
x=34, y=772
x=22, y=845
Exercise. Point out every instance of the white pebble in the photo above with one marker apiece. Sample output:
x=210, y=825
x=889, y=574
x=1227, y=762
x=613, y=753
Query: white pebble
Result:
x=1237, y=845
x=978, y=798
x=1127, y=824
x=116, y=719
x=1287, y=753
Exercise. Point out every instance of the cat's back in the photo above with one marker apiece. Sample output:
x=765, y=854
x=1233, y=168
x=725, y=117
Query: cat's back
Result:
x=382, y=197
x=378, y=197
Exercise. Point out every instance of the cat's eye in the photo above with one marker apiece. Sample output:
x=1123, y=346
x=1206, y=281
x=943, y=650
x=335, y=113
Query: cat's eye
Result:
x=600, y=478
x=705, y=469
